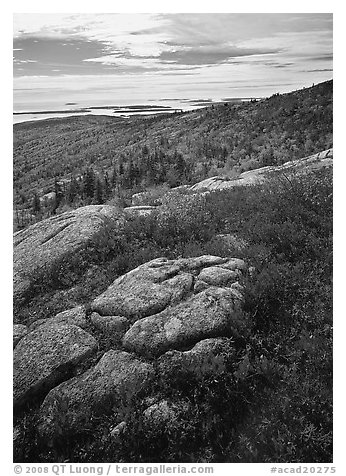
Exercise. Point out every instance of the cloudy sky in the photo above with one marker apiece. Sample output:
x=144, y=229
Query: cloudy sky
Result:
x=101, y=59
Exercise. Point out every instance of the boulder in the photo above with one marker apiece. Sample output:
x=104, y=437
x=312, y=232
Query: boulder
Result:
x=144, y=291
x=152, y=310
x=234, y=264
x=139, y=199
x=113, y=326
x=217, y=276
x=211, y=313
x=19, y=331
x=45, y=356
x=153, y=286
x=200, y=262
x=47, y=199
x=109, y=387
x=75, y=316
x=207, y=357
x=40, y=247
x=165, y=413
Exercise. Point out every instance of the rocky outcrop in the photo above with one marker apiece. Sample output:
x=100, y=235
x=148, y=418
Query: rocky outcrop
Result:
x=38, y=248
x=44, y=357
x=175, y=303
x=218, y=277
x=47, y=199
x=211, y=313
x=140, y=199
x=144, y=291
x=165, y=319
x=207, y=357
x=110, y=386
x=313, y=162
x=75, y=316
x=113, y=326
x=152, y=287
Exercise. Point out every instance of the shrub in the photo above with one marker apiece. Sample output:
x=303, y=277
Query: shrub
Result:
x=273, y=402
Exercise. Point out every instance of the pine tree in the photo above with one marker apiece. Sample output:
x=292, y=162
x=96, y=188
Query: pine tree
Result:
x=114, y=177
x=88, y=183
x=59, y=194
x=107, y=186
x=180, y=165
x=36, y=204
x=73, y=190
x=98, y=197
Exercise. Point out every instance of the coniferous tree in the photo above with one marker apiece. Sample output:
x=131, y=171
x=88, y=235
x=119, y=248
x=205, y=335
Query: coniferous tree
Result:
x=179, y=165
x=36, y=204
x=98, y=197
x=88, y=183
x=130, y=175
x=114, y=177
x=73, y=190
x=59, y=194
x=107, y=186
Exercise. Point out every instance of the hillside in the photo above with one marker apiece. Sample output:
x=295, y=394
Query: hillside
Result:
x=199, y=333
x=136, y=153
x=199, y=330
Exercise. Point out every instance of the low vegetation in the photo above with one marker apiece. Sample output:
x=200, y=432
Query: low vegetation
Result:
x=273, y=402
x=90, y=159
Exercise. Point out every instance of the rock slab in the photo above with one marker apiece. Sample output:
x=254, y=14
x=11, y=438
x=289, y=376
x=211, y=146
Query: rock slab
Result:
x=207, y=357
x=144, y=291
x=42, y=358
x=153, y=286
x=256, y=176
x=110, y=386
x=38, y=248
x=211, y=313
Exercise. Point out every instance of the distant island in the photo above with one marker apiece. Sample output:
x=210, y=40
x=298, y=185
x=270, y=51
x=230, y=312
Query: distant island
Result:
x=110, y=110
x=53, y=112
x=137, y=106
x=129, y=110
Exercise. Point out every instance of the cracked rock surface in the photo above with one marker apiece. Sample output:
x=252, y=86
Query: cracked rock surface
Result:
x=109, y=386
x=44, y=357
x=166, y=317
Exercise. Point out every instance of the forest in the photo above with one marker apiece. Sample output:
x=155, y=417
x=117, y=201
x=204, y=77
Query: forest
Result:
x=90, y=159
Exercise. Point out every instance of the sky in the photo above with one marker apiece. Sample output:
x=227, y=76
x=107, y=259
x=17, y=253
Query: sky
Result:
x=106, y=59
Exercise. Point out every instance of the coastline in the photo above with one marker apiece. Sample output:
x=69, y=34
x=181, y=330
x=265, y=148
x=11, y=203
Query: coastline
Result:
x=125, y=111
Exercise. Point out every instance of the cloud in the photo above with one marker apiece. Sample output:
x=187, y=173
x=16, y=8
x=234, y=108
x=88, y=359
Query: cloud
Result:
x=326, y=57
x=210, y=55
x=145, y=53
x=50, y=54
x=200, y=39
x=317, y=70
